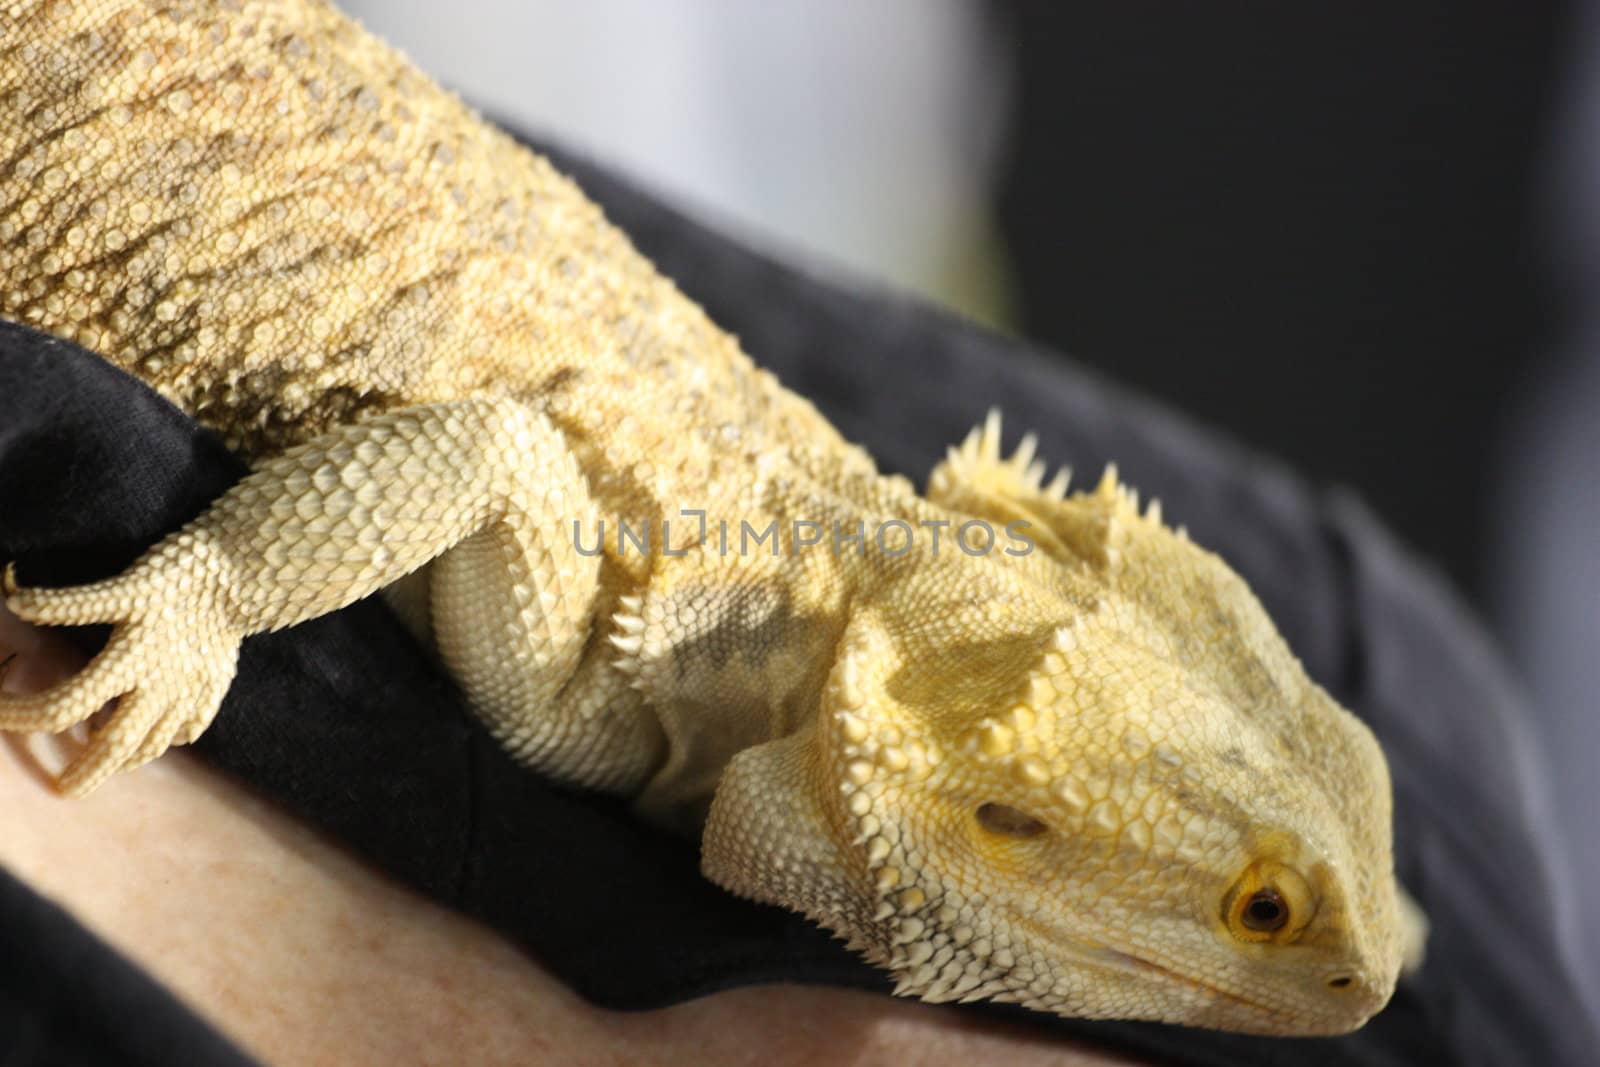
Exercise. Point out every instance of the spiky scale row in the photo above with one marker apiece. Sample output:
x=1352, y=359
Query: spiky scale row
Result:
x=982, y=449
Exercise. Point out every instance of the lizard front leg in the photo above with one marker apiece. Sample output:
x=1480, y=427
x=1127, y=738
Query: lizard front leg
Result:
x=313, y=530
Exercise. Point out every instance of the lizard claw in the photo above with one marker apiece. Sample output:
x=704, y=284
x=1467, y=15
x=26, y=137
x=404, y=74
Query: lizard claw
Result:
x=168, y=662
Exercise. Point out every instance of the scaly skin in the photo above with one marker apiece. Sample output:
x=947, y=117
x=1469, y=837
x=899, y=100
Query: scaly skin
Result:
x=1086, y=775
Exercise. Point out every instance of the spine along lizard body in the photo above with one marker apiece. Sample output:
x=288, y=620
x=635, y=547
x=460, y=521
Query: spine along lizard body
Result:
x=1079, y=770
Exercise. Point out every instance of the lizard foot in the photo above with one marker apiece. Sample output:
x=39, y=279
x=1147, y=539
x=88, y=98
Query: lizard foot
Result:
x=170, y=658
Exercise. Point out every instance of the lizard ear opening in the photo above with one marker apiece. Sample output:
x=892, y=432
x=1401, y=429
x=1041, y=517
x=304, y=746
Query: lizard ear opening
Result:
x=1007, y=821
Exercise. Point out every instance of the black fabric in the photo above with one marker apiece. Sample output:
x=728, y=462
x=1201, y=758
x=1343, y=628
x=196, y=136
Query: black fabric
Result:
x=347, y=724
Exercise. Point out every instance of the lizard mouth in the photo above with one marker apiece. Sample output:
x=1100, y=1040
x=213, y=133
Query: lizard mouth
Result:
x=1134, y=964
x=1104, y=955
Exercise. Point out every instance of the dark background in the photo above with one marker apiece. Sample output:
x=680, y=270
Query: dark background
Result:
x=1313, y=225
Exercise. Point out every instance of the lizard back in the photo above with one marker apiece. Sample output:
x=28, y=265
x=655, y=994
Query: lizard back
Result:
x=281, y=225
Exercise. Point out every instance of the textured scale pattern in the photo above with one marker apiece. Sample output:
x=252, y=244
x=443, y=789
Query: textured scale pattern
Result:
x=1085, y=775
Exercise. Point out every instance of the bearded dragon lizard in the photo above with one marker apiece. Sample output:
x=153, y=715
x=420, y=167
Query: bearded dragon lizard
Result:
x=1076, y=769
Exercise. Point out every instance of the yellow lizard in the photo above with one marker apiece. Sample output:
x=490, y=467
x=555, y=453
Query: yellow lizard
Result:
x=1008, y=742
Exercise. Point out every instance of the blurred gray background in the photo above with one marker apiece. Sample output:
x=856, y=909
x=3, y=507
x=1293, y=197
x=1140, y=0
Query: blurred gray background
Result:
x=861, y=136
x=1363, y=237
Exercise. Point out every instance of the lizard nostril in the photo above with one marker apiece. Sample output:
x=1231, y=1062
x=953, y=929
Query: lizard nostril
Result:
x=1342, y=981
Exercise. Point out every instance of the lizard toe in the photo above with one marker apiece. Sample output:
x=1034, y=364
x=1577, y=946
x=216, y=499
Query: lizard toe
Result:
x=60, y=707
x=74, y=605
x=160, y=737
x=137, y=715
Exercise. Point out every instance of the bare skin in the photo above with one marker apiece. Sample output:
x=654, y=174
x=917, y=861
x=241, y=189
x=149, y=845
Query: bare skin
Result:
x=302, y=954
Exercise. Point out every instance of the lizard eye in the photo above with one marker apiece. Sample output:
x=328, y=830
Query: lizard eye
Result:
x=1265, y=911
x=1004, y=819
x=1270, y=902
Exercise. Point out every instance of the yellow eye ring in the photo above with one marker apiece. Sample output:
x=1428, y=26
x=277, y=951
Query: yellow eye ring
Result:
x=1269, y=902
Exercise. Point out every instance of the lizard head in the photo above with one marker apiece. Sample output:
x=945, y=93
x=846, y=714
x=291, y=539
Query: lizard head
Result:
x=1095, y=782
x=1116, y=794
